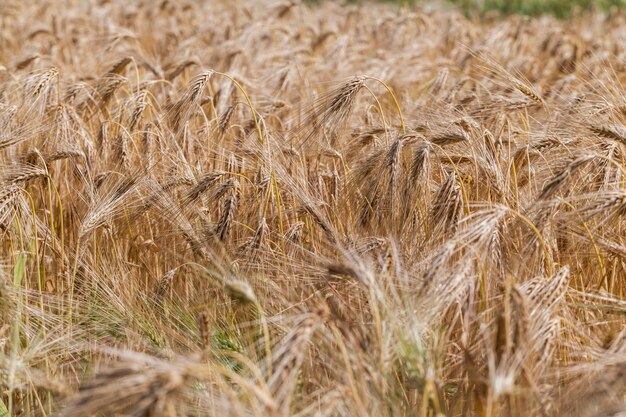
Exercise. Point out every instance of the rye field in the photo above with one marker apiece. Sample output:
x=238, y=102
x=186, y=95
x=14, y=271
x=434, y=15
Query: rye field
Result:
x=273, y=208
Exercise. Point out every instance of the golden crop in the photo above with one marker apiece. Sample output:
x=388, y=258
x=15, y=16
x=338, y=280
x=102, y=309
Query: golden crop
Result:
x=250, y=208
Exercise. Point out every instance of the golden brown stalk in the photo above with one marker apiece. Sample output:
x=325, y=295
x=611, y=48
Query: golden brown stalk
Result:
x=614, y=132
x=332, y=111
x=64, y=154
x=121, y=153
x=20, y=174
x=294, y=234
x=178, y=69
x=224, y=119
x=450, y=137
x=240, y=291
x=254, y=246
x=181, y=110
x=544, y=293
x=119, y=67
x=288, y=357
x=204, y=328
x=44, y=81
x=163, y=286
x=106, y=88
x=137, y=385
x=561, y=177
x=26, y=62
x=203, y=185
x=229, y=211
x=109, y=204
x=141, y=102
x=527, y=91
x=447, y=207
x=609, y=204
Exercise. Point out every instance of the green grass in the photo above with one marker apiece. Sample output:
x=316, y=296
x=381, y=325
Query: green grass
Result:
x=4, y=412
x=559, y=8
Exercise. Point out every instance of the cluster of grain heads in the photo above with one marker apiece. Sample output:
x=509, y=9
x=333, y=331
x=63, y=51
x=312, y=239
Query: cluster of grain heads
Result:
x=198, y=217
x=182, y=109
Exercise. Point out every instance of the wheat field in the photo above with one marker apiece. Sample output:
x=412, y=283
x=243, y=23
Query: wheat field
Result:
x=250, y=208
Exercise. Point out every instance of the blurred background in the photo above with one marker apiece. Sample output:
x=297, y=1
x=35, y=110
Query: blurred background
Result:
x=559, y=8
